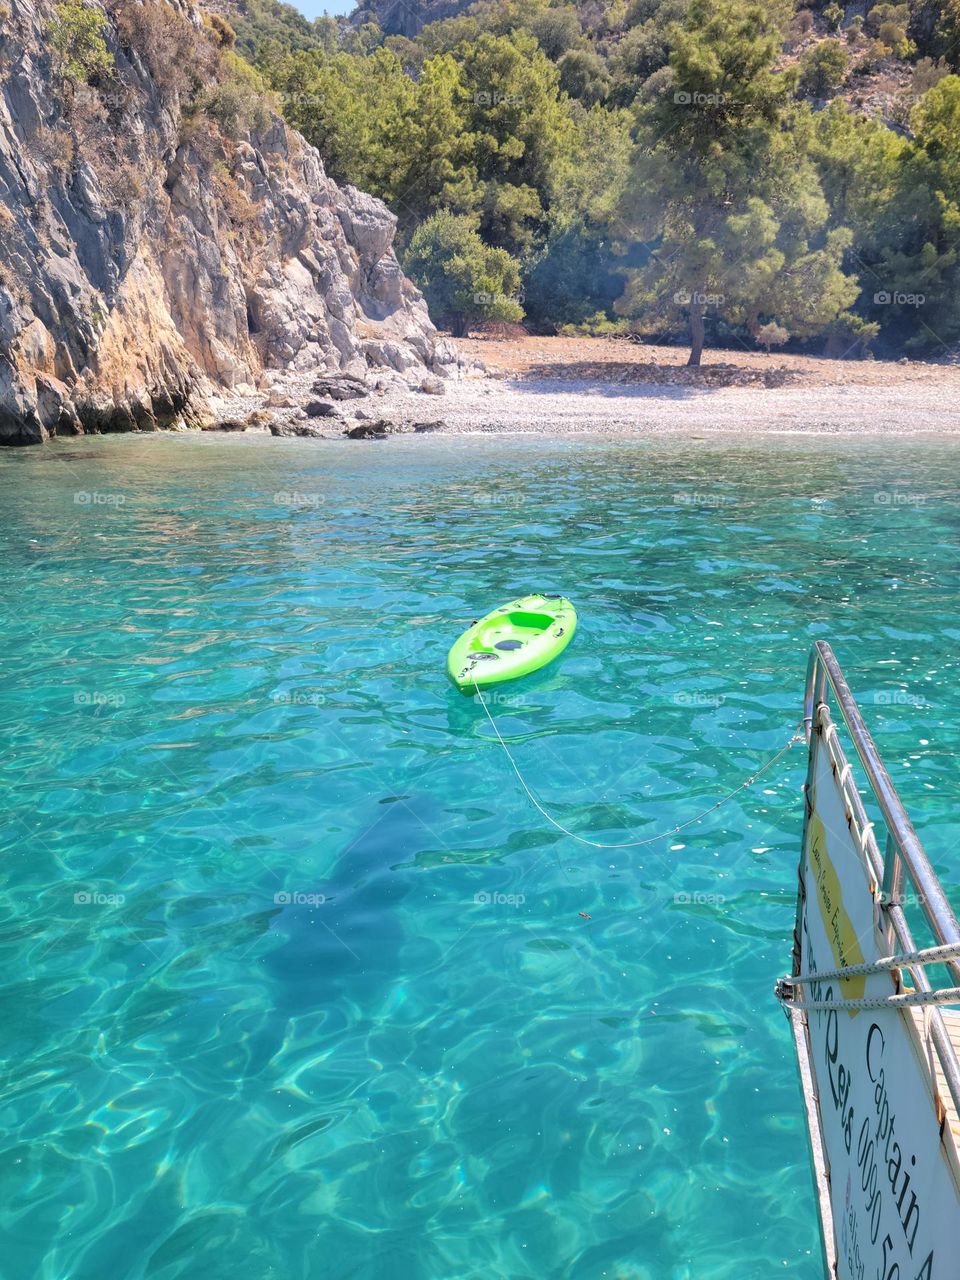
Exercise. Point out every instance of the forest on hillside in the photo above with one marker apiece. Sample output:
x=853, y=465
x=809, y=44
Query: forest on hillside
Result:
x=715, y=171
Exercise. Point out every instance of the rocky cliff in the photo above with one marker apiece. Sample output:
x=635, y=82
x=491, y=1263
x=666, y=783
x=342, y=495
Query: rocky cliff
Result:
x=406, y=17
x=163, y=234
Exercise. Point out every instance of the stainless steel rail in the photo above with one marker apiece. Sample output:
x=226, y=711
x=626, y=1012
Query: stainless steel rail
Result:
x=904, y=852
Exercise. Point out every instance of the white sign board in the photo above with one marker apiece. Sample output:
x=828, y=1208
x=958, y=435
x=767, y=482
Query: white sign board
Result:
x=893, y=1184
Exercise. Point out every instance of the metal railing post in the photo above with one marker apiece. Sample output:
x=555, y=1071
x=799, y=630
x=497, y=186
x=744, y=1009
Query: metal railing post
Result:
x=904, y=855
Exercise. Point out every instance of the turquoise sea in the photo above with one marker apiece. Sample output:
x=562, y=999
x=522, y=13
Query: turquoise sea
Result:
x=297, y=983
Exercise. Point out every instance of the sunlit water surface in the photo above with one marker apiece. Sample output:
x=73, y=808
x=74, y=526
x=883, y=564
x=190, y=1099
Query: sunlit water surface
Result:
x=296, y=981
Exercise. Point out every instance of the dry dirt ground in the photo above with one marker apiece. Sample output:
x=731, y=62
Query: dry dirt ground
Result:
x=612, y=387
x=614, y=360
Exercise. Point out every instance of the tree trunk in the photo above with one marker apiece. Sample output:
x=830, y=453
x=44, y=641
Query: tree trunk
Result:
x=696, y=334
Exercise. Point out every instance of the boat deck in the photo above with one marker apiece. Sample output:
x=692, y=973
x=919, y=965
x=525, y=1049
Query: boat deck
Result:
x=951, y=1018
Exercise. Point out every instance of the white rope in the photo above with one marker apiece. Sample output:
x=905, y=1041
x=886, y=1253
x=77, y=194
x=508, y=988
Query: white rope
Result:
x=946, y=995
x=629, y=844
x=929, y=955
x=864, y=838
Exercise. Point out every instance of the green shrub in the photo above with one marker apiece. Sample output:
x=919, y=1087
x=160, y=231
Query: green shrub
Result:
x=833, y=15
x=463, y=280
x=872, y=58
x=237, y=99
x=823, y=69
x=583, y=75
x=220, y=29
x=180, y=61
x=557, y=31
x=772, y=335
x=894, y=36
x=76, y=37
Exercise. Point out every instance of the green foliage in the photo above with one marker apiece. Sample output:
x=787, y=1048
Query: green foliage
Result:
x=236, y=98
x=900, y=198
x=577, y=272
x=644, y=48
x=264, y=25
x=583, y=75
x=823, y=69
x=523, y=130
x=463, y=280
x=881, y=13
x=934, y=26
x=557, y=31
x=351, y=108
x=772, y=335
x=654, y=141
x=725, y=192
x=76, y=37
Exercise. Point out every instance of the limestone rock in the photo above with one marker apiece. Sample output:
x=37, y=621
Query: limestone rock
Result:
x=341, y=388
x=296, y=429
x=151, y=258
x=378, y=430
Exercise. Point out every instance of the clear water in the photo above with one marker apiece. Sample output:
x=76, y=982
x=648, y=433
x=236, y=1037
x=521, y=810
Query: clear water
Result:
x=224, y=684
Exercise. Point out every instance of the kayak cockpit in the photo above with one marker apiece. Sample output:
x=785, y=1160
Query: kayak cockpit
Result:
x=512, y=641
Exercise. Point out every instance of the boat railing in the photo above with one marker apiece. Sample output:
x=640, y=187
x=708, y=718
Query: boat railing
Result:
x=903, y=858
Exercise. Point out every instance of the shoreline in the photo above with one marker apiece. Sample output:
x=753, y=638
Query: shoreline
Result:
x=565, y=387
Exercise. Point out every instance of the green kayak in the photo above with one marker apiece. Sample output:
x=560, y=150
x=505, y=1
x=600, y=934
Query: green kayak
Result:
x=512, y=641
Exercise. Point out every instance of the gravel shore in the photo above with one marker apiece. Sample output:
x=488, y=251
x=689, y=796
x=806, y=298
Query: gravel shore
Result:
x=553, y=407
x=560, y=386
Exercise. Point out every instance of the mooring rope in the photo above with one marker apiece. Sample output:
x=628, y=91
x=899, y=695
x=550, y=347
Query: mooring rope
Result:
x=784, y=989
x=905, y=999
x=632, y=844
x=929, y=955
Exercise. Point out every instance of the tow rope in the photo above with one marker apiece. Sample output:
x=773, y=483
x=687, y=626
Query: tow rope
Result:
x=797, y=736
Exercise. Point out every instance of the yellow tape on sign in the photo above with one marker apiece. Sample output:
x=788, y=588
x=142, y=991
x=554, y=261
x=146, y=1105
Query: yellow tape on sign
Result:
x=837, y=924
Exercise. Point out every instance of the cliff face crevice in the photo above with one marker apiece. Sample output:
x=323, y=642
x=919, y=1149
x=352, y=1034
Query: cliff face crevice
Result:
x=164, y=235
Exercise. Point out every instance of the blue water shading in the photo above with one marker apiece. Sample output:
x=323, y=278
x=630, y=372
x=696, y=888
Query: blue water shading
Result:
x=297, y=981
